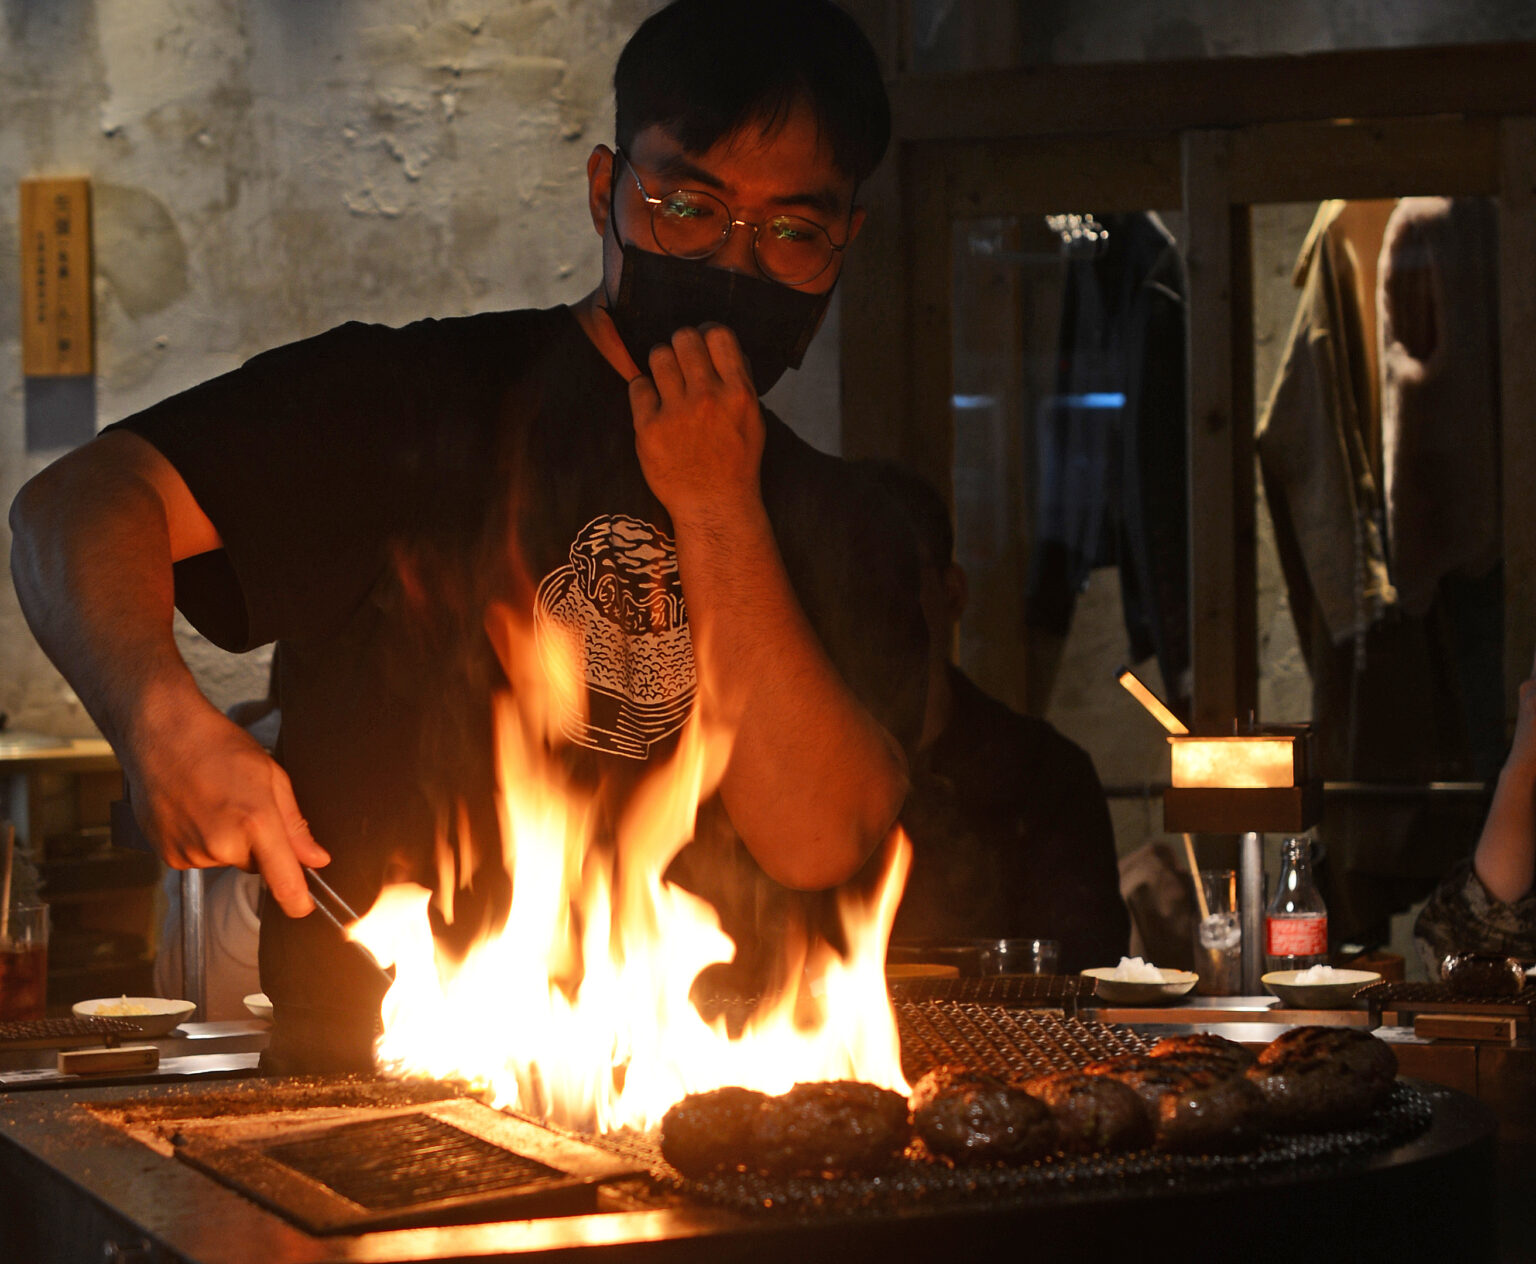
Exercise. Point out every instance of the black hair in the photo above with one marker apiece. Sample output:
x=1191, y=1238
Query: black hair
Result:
x=705, y=68
x=921, y=505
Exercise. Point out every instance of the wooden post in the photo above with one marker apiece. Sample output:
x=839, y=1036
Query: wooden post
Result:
x=1223, y=592
x=875, y=328
x=928, y=440
x=1517, y=385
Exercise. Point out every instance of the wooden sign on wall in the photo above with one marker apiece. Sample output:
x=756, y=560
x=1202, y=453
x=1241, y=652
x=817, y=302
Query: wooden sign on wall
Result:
x=57, y=338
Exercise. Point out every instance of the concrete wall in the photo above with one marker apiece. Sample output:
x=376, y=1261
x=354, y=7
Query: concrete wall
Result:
x=263, y=171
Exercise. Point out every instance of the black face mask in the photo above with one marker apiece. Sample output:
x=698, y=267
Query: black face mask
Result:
x=660, y=294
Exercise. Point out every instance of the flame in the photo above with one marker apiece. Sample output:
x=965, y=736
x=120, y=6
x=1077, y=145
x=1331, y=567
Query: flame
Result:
x=578, y=1010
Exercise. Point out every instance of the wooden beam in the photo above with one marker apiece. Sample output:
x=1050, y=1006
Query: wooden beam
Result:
x=991, y=178
x=1223, y=592
x=1175, y=96
x=1379, y=158
x=1517, y=386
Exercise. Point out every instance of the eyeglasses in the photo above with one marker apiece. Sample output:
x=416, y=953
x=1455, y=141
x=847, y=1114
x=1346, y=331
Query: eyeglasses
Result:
x=692, y=224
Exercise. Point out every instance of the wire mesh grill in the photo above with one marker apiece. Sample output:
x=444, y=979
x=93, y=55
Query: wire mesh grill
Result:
x=1014, y=1042
x=1004, y=1042
x=44, y=1030
x=1383, y=992
x=1057, y=991
x=918, y=1180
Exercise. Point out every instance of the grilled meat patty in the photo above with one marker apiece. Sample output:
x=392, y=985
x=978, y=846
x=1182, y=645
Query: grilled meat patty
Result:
x=1205, y=1044
x=971, y=1116
x=1094, y=1114
x=1196, y=1104
x=706, y=1131
x=1314, y=1078
x=834, y=1126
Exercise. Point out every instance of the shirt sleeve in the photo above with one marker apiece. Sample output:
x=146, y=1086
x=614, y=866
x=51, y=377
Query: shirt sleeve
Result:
x=1461, y=916
x=302, y=460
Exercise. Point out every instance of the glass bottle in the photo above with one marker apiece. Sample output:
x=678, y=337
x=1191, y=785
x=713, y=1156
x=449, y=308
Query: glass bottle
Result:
x=1296, y=922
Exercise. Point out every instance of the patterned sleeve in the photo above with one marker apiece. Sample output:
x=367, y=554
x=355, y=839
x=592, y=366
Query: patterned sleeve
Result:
x=1462, y=917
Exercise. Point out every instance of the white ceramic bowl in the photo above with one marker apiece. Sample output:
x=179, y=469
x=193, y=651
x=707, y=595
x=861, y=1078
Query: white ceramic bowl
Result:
x=1331, y=995
x=258, y=1004
x=1124, y=992
x=158, y=1017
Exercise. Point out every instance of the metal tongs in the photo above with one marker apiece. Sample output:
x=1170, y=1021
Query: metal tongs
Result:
x=339, y=913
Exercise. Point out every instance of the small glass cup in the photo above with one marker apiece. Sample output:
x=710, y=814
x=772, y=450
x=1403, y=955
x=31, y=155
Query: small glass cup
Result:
x=1019, y=956
x=1218, y=938
x=24, y=962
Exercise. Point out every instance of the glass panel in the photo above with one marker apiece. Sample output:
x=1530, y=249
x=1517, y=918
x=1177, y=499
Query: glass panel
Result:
x=1059, y=321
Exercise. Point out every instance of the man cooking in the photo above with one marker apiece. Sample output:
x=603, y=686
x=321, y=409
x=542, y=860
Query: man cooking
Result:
x=604, y=471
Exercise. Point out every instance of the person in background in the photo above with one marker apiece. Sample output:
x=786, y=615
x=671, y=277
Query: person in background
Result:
x=1010, y=830
x=1486, y=903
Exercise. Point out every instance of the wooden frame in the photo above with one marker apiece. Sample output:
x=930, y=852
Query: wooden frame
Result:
x=1213, y=138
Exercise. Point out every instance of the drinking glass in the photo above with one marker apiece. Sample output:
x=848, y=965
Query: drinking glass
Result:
x=1019, y=956
x=24, y=962
x=1218, y=938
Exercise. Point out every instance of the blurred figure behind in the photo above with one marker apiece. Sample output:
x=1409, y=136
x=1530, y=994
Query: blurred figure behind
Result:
x=1486, y=904
x=1010, y=830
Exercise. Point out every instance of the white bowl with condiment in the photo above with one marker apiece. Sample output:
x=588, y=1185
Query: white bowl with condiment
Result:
x=1336, y=988
x=1121, y=991
x=259, y=1005
x=150, y=1015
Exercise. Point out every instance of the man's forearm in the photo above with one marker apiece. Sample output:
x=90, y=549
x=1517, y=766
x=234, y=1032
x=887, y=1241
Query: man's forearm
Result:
x=91, y=562
x=814, y=782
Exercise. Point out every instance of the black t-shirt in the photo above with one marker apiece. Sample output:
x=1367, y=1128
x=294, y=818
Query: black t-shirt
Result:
x=378, y=491
x=1011, y=837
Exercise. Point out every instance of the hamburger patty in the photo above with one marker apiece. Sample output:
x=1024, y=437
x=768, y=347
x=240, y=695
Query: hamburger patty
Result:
x=1196, y=1104
x=833, y=1126
x=1094, y=1114
x=1204, y=1044
x=972, y=1116
x=1314, y=1078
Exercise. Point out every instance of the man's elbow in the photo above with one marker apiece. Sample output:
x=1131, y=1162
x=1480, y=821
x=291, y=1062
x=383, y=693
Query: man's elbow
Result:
x=842, y=835
x=29, y=514
x=27, y=506
x=57, y=494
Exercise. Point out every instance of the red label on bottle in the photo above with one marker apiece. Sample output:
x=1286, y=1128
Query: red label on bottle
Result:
x=1296, y=936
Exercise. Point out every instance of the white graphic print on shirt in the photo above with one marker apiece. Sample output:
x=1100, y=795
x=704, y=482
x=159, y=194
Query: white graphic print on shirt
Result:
x=616, y=615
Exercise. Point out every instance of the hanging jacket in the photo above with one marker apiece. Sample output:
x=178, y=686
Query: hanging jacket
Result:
x=1113, y=485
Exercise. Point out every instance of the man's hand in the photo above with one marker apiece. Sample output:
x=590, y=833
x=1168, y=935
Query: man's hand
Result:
x=207, y=794
x=94, y=538
x=813, y=781
x=698, y=426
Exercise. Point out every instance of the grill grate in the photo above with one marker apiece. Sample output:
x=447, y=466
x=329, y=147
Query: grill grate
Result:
x=454, y=1161
x=404, y=1160
x=917, y=1180
x=44, y=1033
x=1029, y=1042
x=1057, y=991
x=1003, y=1041
x=1439, y=998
